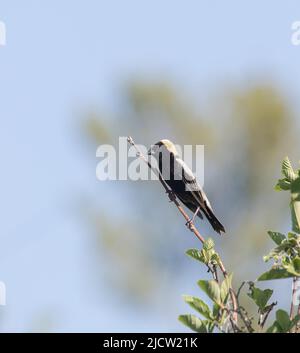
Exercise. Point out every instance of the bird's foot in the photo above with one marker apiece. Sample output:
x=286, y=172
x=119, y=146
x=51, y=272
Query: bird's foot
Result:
x=190, y=223
x=195, y=214
x=171, y=195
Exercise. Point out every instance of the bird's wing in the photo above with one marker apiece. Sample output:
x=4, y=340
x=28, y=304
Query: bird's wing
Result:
x=194, y=196
x=181, y=170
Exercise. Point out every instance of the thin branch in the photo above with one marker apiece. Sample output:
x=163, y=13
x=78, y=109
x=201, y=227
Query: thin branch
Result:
x=247, y=321
x=294, y=293
x=263, y=317
x=242, y=311
x=239, y=290
x=190, y=224
x=215, y=272
x=294, y=300
x=244, y=316
x=298, y=312
x=234, y=326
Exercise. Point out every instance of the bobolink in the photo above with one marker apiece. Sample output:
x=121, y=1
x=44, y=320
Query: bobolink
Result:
x=182, y=182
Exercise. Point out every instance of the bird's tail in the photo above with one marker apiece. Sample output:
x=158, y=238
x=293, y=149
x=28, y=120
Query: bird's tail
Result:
x=213, y=220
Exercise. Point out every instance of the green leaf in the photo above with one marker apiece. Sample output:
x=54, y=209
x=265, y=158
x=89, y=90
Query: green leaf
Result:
x=295, y=186
x=260, y=297
x=283, y=320
x=224, y=289
x=296, y=264
x=271, y=255
x=215, y=258
x=282, y=185
x=295, y=321
x=292, y=235
x=275, y=273
x=195, y=254
x=295, y=213
x=208, y=244
x=294, y=267
x=212, y=289
x=275, y=328
x=216, y=310
x=193, y=322
x=208, y=250
x=287, y=170
x=210, y=325
x=277, y=237
x=199, y=306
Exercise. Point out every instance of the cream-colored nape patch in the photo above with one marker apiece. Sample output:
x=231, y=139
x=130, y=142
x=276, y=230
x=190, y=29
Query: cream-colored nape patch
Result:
x=170, y=146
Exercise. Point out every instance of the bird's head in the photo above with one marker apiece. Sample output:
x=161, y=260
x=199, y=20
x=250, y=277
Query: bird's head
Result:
x=163, y=146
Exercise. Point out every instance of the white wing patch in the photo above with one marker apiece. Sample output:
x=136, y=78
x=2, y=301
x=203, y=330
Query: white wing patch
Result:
x=181, y=170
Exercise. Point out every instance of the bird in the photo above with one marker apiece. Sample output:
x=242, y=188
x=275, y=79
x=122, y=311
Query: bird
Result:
x=182, y=182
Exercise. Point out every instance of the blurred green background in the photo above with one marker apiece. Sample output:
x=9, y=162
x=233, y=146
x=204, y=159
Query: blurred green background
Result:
x=78, y=254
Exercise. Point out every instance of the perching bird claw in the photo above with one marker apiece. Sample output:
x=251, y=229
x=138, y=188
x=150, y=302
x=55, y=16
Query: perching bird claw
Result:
x=171, y=195
x=190, y=223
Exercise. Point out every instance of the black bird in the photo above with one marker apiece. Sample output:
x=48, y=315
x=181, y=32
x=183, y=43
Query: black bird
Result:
x=183, y=183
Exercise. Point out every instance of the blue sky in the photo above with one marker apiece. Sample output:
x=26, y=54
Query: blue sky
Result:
x=64, y=56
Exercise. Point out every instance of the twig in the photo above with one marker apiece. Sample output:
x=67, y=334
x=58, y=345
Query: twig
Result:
x=294, y=300
x=244, y=316
x=247, y=321
x=242, y=311
x=190, y=224
x=293, y=297
x=234, y=326
x=239, y=290
x=215, y=272
x=264, y=316
x=298, y=311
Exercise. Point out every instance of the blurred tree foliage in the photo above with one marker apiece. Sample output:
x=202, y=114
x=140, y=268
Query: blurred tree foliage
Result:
x=248, y=130
x=286, y=264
